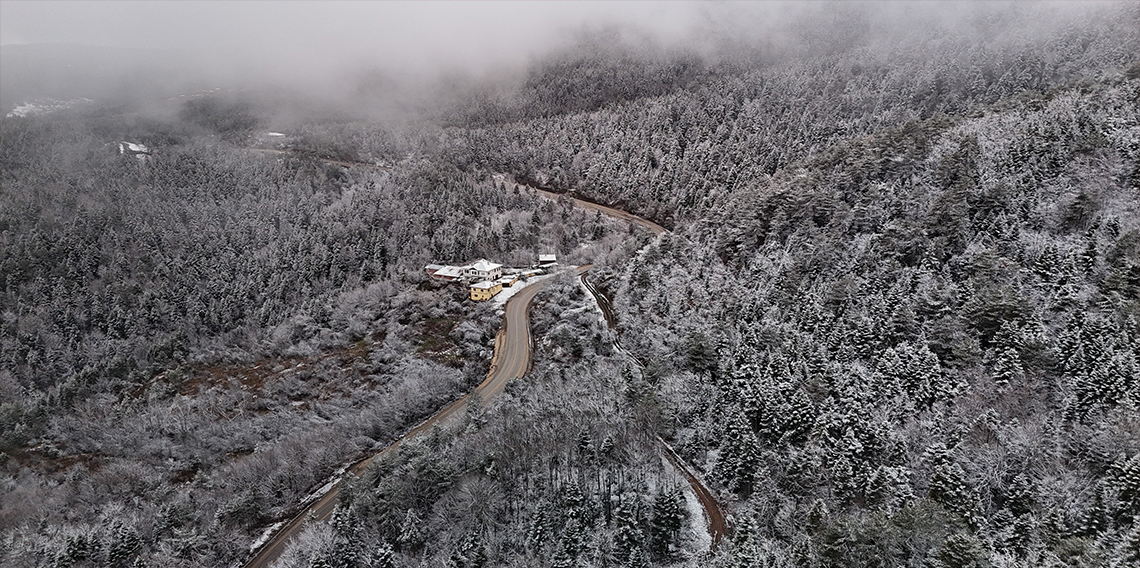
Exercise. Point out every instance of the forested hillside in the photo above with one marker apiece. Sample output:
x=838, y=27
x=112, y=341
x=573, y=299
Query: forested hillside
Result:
x=193, y=342
x=896, y=320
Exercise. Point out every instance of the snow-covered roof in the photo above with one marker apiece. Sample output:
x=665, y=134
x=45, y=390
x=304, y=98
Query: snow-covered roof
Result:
x=449, y=272
x=433, y=267
x=485, y=285
x=484, y=265
x=547, y=258
x=132, y=147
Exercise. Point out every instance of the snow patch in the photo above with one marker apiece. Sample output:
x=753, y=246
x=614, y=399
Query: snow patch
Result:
x=40, y=107
x=265, y=536
x=698, y=524
x=333, y=480
x=501, y=298
x=132, y=147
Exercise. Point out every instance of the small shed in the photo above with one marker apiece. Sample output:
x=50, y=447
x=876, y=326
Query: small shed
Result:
x=545, y=260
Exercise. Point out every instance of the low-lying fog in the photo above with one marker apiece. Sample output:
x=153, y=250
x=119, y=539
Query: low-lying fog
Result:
x=387, y=57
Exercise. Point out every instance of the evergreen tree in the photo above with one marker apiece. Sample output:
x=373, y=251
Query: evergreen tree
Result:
x=384, y=556
x=124, y=543
x=347, y=550
x=1128, y=487
x=1130, y=547
x=411, y=536
x=539, y=532
x=628, y=535
x=470, y=553
x=948, y=486
x=572, y=541
x=665, y=525
x=962, y=550
x=739, y=460
x=1020, y=495
x=1007, y=367
x=818, y=515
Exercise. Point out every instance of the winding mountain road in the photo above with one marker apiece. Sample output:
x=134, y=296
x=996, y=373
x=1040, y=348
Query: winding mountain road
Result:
x=511, y=360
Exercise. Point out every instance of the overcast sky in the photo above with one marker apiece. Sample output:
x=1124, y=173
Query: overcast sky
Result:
x=389, y=34
x=320, y=44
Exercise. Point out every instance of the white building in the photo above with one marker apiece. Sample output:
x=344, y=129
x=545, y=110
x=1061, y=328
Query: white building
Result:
x=483, y=269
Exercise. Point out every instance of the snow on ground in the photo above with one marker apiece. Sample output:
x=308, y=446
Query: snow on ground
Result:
x=696, y=529
x=327, y=486
x=265, y=536
x=501, y=298
x=40, y=107
x=698, y=524
x=131, y=146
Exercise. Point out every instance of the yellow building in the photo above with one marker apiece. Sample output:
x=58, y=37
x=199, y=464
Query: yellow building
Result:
x=481, y=291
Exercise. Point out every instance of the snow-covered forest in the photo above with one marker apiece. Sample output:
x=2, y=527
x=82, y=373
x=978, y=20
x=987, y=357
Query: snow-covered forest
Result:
x=895, y=320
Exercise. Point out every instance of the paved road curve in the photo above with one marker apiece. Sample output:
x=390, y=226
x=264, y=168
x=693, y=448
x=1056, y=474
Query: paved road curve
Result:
x=512, y=360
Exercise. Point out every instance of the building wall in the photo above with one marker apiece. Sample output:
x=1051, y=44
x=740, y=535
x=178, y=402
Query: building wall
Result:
x=481, y=294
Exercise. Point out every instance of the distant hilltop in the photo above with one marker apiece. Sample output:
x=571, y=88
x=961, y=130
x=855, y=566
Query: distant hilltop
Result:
x=40, y=107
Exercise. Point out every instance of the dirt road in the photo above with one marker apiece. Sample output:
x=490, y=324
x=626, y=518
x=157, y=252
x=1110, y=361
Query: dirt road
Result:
x=608, y=211
x=717, y=522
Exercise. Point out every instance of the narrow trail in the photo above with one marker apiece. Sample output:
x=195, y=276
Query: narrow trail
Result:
x=714, y=515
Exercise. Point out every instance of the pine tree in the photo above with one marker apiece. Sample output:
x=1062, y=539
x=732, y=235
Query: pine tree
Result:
x=628, y=537
x=346, y=549
x=572, y=541
x=1007, y=367
x=539, y=531
x=1096, y=519
x=962, y=550
x=1130, y=547
x=665, y=526
x=948, y=486
x=1128, y=486
x=797, y=416
x=411, y=536
x=384, y=556
x=739, y=460
x=124, y=543
x=470, y=553
x=818, y=515
x=1020, y=495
